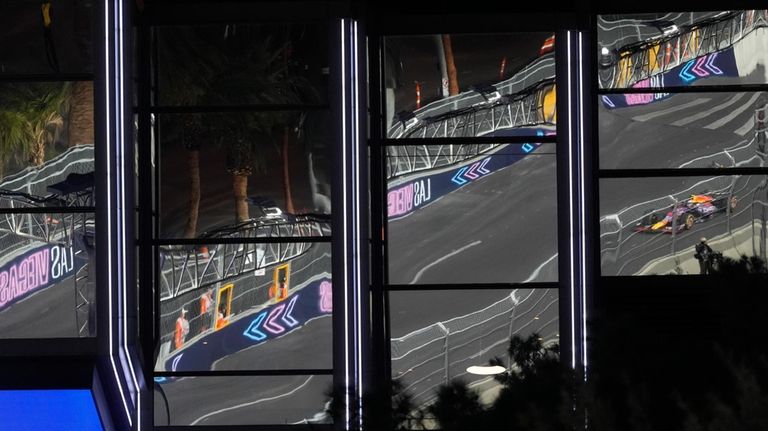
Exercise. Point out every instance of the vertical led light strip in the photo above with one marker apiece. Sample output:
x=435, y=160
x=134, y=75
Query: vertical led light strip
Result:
x=108, y=154
x=569, y=78
x=344, y=224
x=125, y=355
x=357, y=258
x=583, y=205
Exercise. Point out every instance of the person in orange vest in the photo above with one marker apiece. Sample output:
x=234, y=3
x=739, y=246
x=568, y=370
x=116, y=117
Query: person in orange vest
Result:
x=279, y=291
x=182, y=328
x=206, y=309
x=221, y=320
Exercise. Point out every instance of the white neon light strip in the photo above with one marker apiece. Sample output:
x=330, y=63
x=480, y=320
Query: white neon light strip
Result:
x=358, y=257
x=121, y=202
x=570, y=207
x=583, y=213
x=109, y=215
x=344, y=224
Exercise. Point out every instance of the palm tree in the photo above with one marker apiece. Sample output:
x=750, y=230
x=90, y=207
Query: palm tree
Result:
x=185, y=79
x=31, y=113
x=254, y=70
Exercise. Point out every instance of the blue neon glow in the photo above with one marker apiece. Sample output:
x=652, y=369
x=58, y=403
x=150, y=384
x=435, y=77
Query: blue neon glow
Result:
x=608, y=102
x=49, y=409
x=687, y=77
x=160, y=379
x=527, y=148
x=253, y=329
x=457, y=178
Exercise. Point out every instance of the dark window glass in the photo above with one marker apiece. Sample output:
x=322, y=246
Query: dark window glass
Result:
x=462, y=85
x=436, y=336
x=36, y=39
x=277, y=163
x=679, y=49
x=688, y=130
x=242, y=64
x=472, y=213
x=47, y=276
x=653, y=225
x=245, y=307
x=240, y=400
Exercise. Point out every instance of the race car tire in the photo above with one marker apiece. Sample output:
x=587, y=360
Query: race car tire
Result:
x=688, y=221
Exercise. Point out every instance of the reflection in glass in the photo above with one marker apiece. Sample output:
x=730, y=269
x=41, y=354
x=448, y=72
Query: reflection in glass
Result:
x=688, y=130
x=245, y=306
x=27, y=46
x=46, y=133
x=242, y=64
x=462, y=85
x=235, y=170
x=47, y=276
x=485, y=214
x=678, y=49
x=437, y=335
x=240, y=400
x=652, y=225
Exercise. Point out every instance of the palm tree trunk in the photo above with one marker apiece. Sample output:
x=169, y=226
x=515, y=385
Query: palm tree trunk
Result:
x=37, y=153
x=453, y=80
x=287, y=172
x=81, y=114
x=240, y=190
x=193, y=166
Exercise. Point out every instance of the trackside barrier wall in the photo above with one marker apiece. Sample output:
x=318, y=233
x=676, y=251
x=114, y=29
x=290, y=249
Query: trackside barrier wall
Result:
x=250, y=293
x=426, y=358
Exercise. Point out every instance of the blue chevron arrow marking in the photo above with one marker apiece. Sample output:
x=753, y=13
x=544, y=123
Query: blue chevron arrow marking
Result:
x=457, y=178
x=253, y=329
x=287, y=318
x=687, y=77
x=527, y=148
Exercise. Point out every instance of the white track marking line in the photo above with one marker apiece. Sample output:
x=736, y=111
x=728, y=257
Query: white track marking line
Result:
x=708, y=112
x=746, y=128
x=250, y=403
x=655, y=114
x=453, y=253
x=719, y=123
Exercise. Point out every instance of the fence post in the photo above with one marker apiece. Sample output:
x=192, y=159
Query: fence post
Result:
x=446, y=364
x=511, y=324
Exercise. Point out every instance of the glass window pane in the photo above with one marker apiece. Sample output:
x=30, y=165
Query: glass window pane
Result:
x=472, y=214
x=27, y=46
x=437, y=335
x=47, y=276
x=689, y=130
x=240, y=400
x=678, y=49
x=46, y=134
x=277, y=163
x=241, y=64
x=653, y=225
x=461, y=85
x=245, y=307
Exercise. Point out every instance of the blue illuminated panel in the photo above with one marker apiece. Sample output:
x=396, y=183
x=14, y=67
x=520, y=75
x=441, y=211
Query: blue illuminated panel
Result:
x=44, y=410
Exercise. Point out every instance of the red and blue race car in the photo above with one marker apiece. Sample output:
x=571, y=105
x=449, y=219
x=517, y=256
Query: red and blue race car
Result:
x=684, y=214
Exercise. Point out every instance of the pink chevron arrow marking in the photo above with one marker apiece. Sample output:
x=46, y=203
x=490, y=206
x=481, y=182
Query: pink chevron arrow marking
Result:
x=482, y=169
x=270, y=324
x=471, y=172
x=709, y=64
x=287, y=318
x=697, y=68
